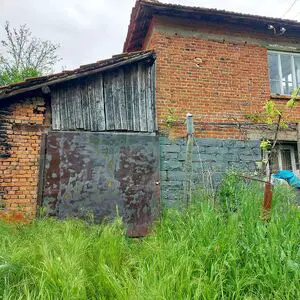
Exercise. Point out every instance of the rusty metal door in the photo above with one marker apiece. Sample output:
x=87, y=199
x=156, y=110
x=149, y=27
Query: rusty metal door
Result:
x=98, y=175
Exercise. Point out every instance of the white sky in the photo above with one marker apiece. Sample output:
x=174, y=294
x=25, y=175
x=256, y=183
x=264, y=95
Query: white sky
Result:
x=90, y=30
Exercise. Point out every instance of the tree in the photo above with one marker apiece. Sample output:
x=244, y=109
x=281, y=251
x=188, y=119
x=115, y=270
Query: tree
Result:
x=274, y=119
x=25, y=56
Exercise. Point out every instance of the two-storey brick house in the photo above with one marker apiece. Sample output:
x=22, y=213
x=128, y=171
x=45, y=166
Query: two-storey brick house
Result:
x=220, y=66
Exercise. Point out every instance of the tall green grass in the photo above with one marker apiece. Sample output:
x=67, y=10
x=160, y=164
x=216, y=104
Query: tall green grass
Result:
x=208, y=251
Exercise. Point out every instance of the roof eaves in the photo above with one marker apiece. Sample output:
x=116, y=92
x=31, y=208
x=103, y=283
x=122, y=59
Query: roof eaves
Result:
x=150, y=8
x=31, y=84
x=195, y=9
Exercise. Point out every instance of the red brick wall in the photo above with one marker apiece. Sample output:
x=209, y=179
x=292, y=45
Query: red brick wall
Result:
x=22, y=125
x=218, y=81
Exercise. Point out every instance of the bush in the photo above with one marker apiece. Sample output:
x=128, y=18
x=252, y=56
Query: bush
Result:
x=231, y=192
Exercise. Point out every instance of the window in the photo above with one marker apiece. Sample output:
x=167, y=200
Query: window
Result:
x=284, y=72
x=286, y=158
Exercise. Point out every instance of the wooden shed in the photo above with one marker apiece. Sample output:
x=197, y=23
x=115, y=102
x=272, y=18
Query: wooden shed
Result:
x=99, y=149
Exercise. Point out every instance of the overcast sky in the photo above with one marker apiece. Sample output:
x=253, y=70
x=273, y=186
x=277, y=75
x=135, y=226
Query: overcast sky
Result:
x=90, y=30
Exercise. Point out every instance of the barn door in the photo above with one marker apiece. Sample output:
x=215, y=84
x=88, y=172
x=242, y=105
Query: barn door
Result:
x=96, y=175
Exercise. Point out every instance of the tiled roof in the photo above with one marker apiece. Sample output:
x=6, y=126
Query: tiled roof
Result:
x=144, y=10
x=35, y=83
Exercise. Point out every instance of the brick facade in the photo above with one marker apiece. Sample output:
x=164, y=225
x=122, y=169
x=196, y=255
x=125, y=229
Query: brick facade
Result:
x=219, y=73
x=22, y=123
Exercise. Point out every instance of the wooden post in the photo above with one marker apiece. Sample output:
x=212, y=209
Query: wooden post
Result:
x=42, y=161
x=267, y=201
x=268, y=186
x=189, y=160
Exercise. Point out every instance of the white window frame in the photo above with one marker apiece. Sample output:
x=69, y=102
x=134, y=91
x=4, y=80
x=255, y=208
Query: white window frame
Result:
x=280, y=147
x=293, y=157
x=294, y=79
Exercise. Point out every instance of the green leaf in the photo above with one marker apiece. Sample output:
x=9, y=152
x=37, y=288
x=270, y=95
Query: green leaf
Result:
x=265, y=144
x=295, y=92
x=293, y=266
x=283, y=124
x=291, y=103
x=271, y=110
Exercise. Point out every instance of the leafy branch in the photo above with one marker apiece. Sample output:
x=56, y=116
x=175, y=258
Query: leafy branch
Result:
x=25, y=56
x=273, y=116
x=170, y=119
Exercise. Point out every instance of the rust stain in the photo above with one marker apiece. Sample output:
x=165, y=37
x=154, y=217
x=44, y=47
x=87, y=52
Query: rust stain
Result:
x=139, y=173
x=101, y=175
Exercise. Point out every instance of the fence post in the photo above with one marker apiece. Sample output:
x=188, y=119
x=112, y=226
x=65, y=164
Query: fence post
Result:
x=188, y=160
x=267, y=201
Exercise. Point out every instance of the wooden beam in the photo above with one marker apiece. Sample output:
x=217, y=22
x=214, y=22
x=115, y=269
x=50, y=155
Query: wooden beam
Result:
x=41, y=173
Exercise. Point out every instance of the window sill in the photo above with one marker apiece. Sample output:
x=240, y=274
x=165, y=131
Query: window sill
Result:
x=282, y=97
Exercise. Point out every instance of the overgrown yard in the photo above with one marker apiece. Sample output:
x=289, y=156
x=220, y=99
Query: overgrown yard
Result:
x=209, y=251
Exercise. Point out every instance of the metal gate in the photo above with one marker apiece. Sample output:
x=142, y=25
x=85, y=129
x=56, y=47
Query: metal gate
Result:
x=99, y=175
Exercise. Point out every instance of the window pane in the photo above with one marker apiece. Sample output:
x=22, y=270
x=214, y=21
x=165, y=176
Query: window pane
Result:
x=275, y=87
x=287, y=87
x=296, y=158
x=273, y=67
x=297, y=68
x=287, y=77
x=286, y=159
x=274, y=166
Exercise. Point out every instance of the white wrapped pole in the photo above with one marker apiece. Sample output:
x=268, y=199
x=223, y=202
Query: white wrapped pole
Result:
x=189, y=160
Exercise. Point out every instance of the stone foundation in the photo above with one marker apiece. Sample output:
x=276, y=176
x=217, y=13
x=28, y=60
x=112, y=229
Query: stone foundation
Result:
x=211, y=159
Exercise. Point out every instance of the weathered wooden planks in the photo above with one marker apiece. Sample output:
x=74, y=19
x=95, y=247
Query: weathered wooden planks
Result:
x=119, y=100
x=109, y=102
x=150, y=101
x=129, y=92
x=55, y=105
x=142, y=97
x=77, y=107
x=97, y=107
